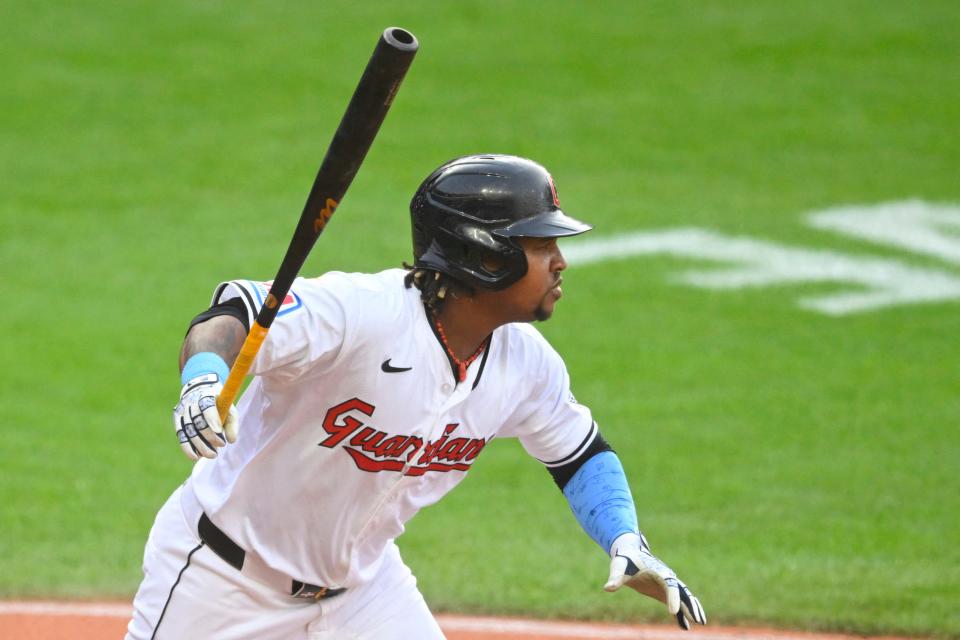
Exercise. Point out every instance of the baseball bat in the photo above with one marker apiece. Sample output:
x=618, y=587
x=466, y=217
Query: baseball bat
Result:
x=365, y=113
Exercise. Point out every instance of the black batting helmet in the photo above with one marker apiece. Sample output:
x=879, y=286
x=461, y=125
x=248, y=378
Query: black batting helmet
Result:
x=473, y=207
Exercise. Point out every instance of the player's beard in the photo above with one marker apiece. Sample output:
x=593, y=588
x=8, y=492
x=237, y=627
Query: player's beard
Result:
x=542, y=313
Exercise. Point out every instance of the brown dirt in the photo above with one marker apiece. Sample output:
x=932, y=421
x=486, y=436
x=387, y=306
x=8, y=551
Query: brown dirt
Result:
x=98, y=621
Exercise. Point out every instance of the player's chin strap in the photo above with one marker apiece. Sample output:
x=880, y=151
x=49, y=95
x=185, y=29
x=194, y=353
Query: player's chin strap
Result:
x=601, y=501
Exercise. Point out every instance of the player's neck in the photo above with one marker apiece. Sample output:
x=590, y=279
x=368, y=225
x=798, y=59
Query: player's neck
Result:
x=465, y=326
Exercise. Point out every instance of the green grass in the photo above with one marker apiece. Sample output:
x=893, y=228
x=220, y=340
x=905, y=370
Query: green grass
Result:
x=795, y=469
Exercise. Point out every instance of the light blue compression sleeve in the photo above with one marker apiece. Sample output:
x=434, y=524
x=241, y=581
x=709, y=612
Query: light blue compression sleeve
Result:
x=601, y=501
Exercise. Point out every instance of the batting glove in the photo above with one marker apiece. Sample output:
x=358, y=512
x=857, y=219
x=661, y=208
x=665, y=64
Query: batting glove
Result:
x=633, y=565
x=196, y=420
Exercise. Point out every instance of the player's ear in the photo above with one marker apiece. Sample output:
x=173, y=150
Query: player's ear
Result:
x=492, y=262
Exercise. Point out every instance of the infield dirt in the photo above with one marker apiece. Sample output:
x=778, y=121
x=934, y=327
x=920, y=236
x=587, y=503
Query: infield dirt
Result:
x=99, y=621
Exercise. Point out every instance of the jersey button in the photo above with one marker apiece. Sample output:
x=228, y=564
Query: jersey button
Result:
x=446, y=388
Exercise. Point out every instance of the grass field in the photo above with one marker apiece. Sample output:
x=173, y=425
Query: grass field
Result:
x=796, y=469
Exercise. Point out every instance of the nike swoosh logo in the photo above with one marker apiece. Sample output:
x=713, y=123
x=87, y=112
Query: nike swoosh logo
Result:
x=386, y=367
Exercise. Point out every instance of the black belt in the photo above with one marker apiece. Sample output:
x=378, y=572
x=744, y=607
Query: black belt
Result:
x=232, y=554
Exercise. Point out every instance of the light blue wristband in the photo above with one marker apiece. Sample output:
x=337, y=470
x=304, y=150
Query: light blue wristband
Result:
x=600, y=498
x=203, y=363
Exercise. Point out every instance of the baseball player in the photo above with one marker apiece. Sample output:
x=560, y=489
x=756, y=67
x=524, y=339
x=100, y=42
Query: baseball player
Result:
x=373, y=396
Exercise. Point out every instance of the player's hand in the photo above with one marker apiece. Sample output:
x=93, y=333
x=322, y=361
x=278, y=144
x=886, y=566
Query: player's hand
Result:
x=633, y=565
x=197, y=422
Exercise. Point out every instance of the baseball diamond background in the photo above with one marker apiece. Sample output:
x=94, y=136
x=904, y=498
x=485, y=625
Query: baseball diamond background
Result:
x=795, y=464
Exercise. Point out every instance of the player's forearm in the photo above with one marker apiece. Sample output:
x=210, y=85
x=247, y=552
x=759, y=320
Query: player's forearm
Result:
x=222, y=335
x=600, y=498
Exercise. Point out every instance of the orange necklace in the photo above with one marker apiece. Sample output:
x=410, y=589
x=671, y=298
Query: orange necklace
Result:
x=460, y=364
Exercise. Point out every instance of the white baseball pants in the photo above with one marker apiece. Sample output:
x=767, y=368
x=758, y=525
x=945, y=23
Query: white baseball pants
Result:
x=189, y=592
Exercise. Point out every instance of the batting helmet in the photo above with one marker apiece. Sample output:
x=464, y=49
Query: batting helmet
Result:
x=473, y=207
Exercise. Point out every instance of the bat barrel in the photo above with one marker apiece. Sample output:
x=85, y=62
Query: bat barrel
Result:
x=367, y=109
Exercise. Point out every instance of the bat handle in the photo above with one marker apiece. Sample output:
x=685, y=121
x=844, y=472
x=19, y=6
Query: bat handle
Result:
x=241, y=366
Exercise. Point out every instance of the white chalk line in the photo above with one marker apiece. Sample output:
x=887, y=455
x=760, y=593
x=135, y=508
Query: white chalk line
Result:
x=578, y=630
x=458, y=623
x=86, y=609
x=867, y=283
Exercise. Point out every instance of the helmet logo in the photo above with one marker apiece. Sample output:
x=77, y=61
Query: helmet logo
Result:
x=553, y=190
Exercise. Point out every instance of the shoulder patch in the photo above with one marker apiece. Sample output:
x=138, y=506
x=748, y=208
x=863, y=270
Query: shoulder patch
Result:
x=260, y=289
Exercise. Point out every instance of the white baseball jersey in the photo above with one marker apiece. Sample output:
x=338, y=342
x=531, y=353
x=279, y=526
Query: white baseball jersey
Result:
x=355, y=421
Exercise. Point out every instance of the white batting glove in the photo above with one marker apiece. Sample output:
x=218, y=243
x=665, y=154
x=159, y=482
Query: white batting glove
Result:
x=196, y=420
x=633, y=565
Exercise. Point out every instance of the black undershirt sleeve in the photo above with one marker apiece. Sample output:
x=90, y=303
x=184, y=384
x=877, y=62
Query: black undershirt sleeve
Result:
x=232, y=307
x=563, y=473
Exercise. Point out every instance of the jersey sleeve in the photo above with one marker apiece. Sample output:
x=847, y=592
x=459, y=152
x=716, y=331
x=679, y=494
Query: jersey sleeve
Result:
x=309, y=329
x=549, y=422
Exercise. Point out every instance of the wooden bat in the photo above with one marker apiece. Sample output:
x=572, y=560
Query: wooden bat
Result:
x=367, y=109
